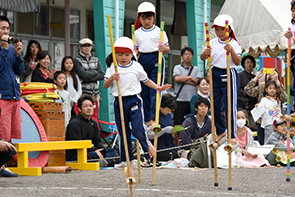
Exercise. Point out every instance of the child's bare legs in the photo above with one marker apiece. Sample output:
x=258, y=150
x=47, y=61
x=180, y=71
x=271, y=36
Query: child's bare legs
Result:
x=151, y=150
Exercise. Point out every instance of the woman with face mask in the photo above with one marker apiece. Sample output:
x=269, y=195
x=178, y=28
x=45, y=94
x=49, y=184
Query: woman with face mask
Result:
x=245, y=140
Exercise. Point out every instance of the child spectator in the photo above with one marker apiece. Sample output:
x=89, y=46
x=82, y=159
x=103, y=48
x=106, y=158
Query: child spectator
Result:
x=41, y=73
x=203, y=91
x=130, y=73
x=147, y=37
x=255, y=90
x=60, y=79
x=30, y=60
x=73, y=85
x=268, y=109
x=245, y=139
x=199, y=125
x=278, y=155
x=219, y=72
x=165, y=139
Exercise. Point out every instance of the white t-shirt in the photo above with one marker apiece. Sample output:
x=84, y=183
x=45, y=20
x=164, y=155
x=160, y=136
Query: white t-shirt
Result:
x=66, y=107
x=74, y=94
x=218, y=54
x=147, y=40
x=130, y=77
x=272, y=110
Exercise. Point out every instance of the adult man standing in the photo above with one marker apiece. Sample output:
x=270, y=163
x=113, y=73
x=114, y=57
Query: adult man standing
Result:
x=186, y=77
x=11, y=64
x=89, y=70
x=83, y=127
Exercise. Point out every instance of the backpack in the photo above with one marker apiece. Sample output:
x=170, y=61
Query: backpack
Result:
x=198, y=154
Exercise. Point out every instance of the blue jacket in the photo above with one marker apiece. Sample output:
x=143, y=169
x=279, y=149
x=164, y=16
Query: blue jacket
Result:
x=10, y=66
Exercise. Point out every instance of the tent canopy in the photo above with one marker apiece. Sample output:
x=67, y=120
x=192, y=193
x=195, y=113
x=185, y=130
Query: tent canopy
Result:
x=260, y=25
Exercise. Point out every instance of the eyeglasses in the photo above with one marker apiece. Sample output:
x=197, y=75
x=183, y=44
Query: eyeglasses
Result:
x=86, y=45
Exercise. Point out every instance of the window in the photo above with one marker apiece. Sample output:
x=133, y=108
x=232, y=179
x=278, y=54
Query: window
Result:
x=75, y=24
x=42, y=21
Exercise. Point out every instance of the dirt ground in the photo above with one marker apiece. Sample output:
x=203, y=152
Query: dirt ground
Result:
x=169, y=182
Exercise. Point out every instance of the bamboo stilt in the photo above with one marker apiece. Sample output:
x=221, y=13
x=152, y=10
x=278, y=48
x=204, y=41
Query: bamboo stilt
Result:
x=228, y=107
x=288, y=109
x=131, y=184
x=157, y=128
x=137, y=142
x=212, y=108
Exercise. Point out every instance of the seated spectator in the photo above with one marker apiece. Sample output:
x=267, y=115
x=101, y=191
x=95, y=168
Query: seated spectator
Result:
x=30, y=60
x=245, y=139
x=41, y=73
x=292, y=131
x=199, y=124
x=165, y=139
x=203, y=91
x=278, y=155
x=83, y=127
x=7, y=152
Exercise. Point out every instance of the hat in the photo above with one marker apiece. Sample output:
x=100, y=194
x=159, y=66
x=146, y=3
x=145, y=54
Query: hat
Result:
x=124, y=45
x=220, y=21
x=278, y=122
x=248, y=57
x=85, y=41
x=144, y=7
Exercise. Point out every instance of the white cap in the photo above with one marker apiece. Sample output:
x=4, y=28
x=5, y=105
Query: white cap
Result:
x=124, y=45
x=146, y=7
x=85, y=41
x=220, y=21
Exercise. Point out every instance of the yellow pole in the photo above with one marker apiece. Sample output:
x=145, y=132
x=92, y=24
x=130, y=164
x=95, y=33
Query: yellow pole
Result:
x=157, y=128
x=120, y=104
x=228, y=107
x=212, y=107
x=137, y=142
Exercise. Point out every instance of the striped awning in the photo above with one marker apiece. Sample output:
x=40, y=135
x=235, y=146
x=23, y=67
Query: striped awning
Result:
x=20, y=5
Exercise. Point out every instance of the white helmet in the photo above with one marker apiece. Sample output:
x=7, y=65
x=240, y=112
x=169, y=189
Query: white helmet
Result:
x=220, y=21
x=124, y=45
x=146, y=7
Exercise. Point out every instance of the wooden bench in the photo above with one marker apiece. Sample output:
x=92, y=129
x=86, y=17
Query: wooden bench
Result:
x=23, y=149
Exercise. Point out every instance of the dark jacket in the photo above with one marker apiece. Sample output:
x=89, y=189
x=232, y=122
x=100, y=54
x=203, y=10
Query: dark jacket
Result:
x=244, y=78
x=90, y=71
x=194, y=131
x=10, y=66
x=80, y=128
x=37, y=76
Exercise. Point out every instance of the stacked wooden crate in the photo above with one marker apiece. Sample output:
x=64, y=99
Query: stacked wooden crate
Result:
x=53, y=120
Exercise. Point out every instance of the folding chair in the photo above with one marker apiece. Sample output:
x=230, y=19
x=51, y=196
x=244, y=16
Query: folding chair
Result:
x=112, y=134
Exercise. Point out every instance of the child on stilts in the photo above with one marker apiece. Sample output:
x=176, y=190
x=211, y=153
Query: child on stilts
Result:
x=219, y=73
x=147, y=37
x=130, y=74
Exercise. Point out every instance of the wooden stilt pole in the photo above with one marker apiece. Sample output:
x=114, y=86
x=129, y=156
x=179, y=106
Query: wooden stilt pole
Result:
x=212, y=107
x=288, y=108
x=228, y=107
x=130, y=184
x=157, y=128
x=137, y=142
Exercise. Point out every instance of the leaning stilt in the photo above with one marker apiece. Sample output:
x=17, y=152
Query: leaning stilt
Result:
x=213, y=146
x=130, y=183
x=157, y=128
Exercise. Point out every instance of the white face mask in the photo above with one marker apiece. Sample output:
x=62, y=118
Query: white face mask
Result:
x=241, y=123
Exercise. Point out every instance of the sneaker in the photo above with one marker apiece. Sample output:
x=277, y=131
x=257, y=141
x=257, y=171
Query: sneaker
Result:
x=7, y=173
x=123, y=164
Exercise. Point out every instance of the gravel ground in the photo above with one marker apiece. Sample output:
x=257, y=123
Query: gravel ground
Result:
x=169, y=182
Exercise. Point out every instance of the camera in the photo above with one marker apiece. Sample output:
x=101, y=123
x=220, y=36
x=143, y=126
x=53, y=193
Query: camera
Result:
x=10, y=40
